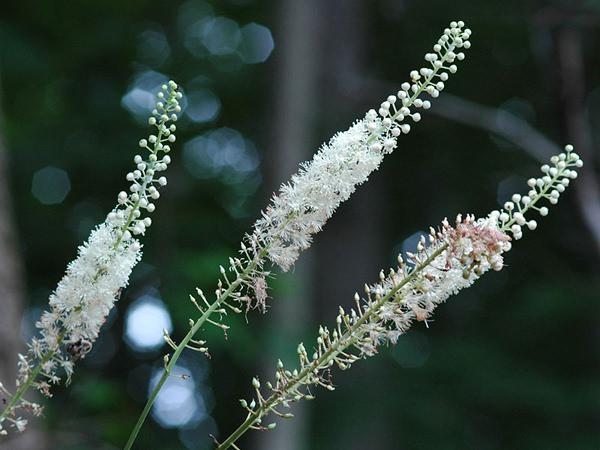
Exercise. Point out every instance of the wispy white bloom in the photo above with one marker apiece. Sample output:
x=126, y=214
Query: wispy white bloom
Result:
x=309, y=199
x=447, y=261
x=94, y=280
x=305, y=203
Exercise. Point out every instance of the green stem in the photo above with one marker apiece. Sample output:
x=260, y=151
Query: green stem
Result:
x=185, y=341
x=16, y=398
x=345, y=341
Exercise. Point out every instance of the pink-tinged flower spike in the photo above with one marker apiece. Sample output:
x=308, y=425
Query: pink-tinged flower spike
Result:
x=93, y=281
x=447, y=261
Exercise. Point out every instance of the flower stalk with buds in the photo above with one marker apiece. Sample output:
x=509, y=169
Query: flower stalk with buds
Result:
x=451, y=259
x=303, y=206
x=93, y=281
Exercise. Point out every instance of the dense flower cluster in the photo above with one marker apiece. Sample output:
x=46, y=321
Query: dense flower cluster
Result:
x=305, y=203
x=93, y=281
x=447, y=261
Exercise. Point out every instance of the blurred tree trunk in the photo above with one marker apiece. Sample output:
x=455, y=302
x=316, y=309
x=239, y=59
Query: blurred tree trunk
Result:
x=573, y=104
x=292, y=143
x=321, y=47
x=350, y=250
x=11, y=298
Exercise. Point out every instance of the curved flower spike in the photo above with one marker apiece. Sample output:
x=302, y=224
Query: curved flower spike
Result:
x=447, y=261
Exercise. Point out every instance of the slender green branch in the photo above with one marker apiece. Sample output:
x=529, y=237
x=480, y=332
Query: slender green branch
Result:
x=547, y=187
x=24, y=387
x=186, y=340
x=343, y=343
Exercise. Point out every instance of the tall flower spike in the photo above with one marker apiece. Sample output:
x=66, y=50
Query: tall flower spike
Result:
x=451, y=259
x=304, y=205
x=93, y=281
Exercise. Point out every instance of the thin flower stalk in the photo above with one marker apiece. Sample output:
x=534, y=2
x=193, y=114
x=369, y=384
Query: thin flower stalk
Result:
x=93, y=281
x=309, y=199
x=450, y=259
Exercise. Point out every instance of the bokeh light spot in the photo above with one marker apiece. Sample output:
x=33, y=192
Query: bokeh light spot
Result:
x=221, y=36
x=153, y=48
x=179, y=403
x=412, y=350
x=50, y=185
x=140, y=97
x=409, y=245
x=221, y=153
x=203, y=106
x=145, y=321
x=257, y=43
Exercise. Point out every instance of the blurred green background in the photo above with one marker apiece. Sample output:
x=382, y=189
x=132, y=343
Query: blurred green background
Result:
x=511, y=363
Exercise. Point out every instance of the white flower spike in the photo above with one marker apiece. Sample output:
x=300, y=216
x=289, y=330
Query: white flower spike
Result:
x=93, y=281
x=311, y=197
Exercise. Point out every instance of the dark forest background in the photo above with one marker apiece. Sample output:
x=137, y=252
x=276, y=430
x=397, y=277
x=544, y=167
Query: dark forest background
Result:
x=511, y=363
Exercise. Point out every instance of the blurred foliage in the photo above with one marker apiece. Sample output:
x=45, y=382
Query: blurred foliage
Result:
x=511, y=363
